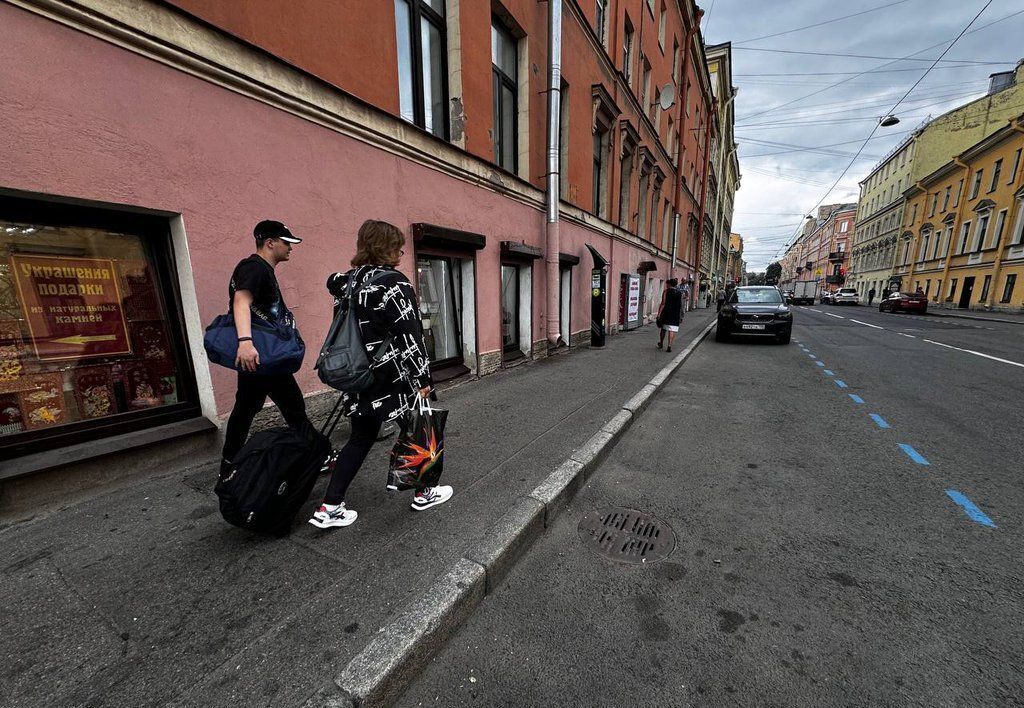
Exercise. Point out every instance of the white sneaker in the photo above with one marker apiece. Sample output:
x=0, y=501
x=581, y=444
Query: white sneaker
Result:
x=327, y=518
x=431, y=496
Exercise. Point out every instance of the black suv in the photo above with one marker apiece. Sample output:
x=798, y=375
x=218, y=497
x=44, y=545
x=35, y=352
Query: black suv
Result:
x=755, y=311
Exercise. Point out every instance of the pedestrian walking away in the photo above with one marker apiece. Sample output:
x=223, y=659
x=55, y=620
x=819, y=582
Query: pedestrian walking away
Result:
x=254, y=292
x=871, y=295
x=389, y=321
x=670, y=314
x=720, y=299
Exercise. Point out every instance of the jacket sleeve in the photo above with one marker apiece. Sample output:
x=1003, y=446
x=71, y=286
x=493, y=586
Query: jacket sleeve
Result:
x=402, y=317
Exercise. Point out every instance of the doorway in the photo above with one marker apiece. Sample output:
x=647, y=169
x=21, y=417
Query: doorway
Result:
x=966, y=292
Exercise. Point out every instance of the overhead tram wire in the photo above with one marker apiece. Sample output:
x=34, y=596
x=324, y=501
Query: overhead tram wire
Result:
x=965, y=62
x=819, y=24
x=877, y=68
x=857, y=73
x=897, y=104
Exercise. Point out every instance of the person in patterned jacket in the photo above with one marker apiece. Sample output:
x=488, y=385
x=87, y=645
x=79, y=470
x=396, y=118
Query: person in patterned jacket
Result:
x=389, y=315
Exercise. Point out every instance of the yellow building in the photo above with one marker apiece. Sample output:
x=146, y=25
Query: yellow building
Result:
x=963, y=242
x=734, y=267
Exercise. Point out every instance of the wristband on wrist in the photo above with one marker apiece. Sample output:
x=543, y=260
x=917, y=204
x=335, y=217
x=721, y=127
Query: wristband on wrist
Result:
x=245, y=339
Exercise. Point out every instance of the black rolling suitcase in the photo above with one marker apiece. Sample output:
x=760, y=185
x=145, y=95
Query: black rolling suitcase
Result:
x=273, y=475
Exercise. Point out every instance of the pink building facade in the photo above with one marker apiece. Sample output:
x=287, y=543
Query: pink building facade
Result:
x=152, y=142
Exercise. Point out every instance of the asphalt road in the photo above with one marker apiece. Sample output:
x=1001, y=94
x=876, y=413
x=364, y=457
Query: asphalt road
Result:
x=820, y=557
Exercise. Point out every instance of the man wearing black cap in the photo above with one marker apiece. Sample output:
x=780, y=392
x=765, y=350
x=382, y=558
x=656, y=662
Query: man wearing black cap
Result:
x=254, y=292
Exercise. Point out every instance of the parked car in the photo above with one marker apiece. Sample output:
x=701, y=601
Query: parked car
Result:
x=755, y=311
x=904, y=302
x=788, y=296
x=846, y=296
x=826, y=297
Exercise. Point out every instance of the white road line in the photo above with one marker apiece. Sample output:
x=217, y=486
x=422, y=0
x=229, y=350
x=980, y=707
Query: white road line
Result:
x=838, y=317
x=866, y=324
x=902, y=334
x=971, y=351
x=813, y=310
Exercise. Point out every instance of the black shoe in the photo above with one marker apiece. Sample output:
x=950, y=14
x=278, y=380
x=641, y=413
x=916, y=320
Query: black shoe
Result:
x=668, y=349
x=659, y=345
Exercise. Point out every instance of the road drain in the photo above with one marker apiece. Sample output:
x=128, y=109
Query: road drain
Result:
x=627, y=536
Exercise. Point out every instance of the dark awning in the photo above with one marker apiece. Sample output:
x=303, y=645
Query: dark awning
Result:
x=519, y=249
x=599, y=260
x=646, y=267
x=568, y=259
x=443, y=237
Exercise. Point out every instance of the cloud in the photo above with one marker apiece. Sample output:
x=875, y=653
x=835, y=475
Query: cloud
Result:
x=791, y=183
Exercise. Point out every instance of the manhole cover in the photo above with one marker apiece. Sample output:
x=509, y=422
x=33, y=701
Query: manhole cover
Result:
x=627, y=536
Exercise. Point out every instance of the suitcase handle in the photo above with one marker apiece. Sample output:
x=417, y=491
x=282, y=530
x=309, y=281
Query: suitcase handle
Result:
x=333, y=418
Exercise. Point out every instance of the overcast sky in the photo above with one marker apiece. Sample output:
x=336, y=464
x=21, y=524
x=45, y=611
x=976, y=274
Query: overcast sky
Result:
x=781, y=184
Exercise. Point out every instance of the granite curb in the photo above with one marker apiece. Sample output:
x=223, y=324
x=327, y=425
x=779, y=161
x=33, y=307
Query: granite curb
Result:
x=379, y=674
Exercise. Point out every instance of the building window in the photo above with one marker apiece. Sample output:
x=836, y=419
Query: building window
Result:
x=661, y=28
x=976, y=185
x=952, y=290
x=997, y=235
x=645, y=87
x=964, y=235
x=1011, y=280
x=627, y=51
x=923, y=251
x=600, y=180
x=996, y=170
x=506, y=89
x=563, y=142
x=956, y=195
x=626, y=187
x=644, y=198
x=984, y=288
x=675, y=62
x=979, y=236
x=1018, y=227
x=945, y=199
x=844, y=227
x=510, y=309
x=1016, y=165
x=439, y=281
x=927, y=287
x=422, y=64
x=935, y=204
x=91, y=341
x=602, y=21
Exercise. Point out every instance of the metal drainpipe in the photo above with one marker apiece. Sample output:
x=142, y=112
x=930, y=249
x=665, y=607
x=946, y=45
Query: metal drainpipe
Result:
x=704, y=191
x=551, y=236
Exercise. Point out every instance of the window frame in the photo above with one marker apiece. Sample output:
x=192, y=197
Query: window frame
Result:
x=418, y=11
x=501, y=80
x=976, y=184
x=457, y=301
x=1008, y=285
x=997, y=169
x=154, y=231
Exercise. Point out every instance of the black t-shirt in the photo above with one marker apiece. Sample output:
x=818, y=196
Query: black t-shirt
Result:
x=257, y=276
x=672, y=311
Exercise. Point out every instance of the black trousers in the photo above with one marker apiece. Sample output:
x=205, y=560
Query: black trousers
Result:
x=252, y=393
x=365, y=429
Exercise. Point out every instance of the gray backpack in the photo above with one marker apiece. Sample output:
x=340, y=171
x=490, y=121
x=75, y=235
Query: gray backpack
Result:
x=343, y=363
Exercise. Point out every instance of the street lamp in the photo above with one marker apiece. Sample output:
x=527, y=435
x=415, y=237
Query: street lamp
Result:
x=888, y=121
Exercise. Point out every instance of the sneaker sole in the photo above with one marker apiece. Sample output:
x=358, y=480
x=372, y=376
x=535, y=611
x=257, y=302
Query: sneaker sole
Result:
x=332, y=524
x=422, y=507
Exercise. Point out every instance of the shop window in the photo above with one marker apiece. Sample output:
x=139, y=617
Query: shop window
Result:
x=91, y=336
x=440, y=295
x=952, y=290
x=422, y=64
x=565, y=303
x=510, y=310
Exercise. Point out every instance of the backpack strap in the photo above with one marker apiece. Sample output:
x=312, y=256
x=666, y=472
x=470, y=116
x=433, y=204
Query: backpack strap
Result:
x=353, y=290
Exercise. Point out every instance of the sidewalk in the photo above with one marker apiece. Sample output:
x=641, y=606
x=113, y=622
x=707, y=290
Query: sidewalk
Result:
x=144, y=596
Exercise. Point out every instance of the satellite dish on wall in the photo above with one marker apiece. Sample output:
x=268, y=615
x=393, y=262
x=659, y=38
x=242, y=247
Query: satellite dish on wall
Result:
x=668, y=96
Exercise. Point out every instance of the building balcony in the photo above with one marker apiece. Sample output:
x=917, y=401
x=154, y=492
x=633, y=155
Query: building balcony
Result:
x=837, y=256
x=835, y=279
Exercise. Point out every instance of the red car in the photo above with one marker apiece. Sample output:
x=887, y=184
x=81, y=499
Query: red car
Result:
x=905, y=302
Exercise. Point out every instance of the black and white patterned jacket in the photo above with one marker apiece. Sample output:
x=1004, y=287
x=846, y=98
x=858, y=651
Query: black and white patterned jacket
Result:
x=387, y=307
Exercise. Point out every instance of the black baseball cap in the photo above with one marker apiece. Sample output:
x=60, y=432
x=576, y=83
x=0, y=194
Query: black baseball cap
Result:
x=274, y=229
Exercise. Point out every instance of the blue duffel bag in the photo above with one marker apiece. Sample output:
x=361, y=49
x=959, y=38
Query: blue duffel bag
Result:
x=280, y=345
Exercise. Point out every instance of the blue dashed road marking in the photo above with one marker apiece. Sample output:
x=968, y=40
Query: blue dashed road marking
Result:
x=840, y=383
x=828, y=373
x=856, y=398
x=914, y=454
x=879, y=420
x=969, y=507
x=820, y=363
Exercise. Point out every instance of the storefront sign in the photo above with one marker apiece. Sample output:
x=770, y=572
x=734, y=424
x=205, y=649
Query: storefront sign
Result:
x=72, y=306
x=633, y=301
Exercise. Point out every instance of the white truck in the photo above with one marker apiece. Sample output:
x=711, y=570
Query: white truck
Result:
x=805, y=292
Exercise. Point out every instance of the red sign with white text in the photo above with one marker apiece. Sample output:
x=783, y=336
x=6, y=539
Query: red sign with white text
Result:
x=72, y=305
